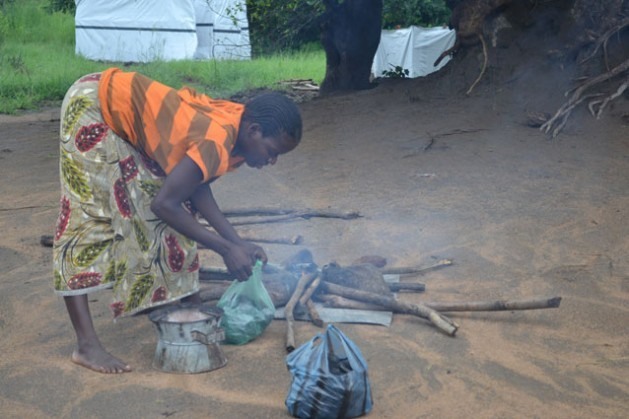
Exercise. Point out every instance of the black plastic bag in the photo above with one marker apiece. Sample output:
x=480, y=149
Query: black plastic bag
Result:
x=329, y=378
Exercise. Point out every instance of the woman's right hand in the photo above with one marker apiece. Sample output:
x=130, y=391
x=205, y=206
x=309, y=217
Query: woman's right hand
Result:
x=238, y=261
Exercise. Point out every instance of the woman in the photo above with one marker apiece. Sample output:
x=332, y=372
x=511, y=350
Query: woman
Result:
x=137, y=158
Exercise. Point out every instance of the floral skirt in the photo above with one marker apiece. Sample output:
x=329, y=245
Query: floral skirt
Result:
x=106, y=234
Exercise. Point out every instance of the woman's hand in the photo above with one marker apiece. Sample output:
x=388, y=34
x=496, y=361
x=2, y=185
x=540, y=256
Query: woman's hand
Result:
x=240, y=258
x=255, y=251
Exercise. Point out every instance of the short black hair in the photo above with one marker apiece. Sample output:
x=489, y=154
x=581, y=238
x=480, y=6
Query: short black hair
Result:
x=276, y=113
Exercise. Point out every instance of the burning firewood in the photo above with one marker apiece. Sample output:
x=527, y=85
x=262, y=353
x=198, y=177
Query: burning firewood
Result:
x=307, y=302
x=438, y=320
x=298, y=280
x=498, y=305
x=307, y=277
x=420, y=270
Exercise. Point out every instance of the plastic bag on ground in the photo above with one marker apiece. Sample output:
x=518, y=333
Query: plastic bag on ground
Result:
x=247, y=309
x=329, y=378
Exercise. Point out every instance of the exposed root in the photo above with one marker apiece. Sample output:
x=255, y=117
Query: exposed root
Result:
x=577, y=95
x=601, y=104
x=603, y=39
x=482, y=71
x=555, y=124
x=449, y=52
x=559, y=120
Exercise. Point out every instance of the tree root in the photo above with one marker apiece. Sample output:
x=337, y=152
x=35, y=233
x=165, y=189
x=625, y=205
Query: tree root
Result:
x=482, y=71
x=555, y=124
x=603, y=39
x=577, y=95
x=603, y=103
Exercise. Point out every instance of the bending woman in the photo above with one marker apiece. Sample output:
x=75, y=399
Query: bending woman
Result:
x=136, y=161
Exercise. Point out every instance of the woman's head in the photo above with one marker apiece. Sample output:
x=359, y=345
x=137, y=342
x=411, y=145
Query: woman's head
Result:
x=271, y=125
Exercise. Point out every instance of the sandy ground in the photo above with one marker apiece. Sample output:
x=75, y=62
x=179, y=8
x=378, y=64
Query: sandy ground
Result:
x=435, y=176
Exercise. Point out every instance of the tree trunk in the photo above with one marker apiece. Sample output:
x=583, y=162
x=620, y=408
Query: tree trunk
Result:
x=350, y=35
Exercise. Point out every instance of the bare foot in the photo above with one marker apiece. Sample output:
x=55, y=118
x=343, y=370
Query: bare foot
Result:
x=99, y=360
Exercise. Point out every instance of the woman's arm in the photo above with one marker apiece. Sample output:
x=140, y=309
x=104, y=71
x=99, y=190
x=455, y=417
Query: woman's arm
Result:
x=181, y=184
x=203, y=200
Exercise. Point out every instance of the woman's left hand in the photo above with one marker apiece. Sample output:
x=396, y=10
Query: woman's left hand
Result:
x=254, y=251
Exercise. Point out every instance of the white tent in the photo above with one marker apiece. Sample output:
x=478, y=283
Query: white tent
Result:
x=149, y=30
x=414, y=49
x=222, y=29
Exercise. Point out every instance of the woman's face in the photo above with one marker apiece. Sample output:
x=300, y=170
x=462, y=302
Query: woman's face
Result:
x=260, y=151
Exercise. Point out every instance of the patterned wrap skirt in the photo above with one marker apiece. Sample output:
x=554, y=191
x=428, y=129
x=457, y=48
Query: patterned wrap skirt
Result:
x=106, y=235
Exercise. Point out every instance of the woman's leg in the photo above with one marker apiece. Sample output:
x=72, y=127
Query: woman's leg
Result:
x=90, y=353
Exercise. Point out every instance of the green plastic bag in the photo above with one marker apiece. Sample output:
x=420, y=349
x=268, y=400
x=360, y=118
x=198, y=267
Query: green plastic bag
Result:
x=247, y=309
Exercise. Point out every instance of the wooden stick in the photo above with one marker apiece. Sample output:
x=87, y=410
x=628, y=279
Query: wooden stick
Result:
x=409, y=270
x=406, y=286
x=314, y=314
x=297, y=239
x=256, y=212
x=337, y=301
x=438, y=320
x=306, y=213
x=307, y=302
x=281, y=240
x=306, y=278
x=500, y=305
x=291, y=215
x=310, y=290
x=214, y=274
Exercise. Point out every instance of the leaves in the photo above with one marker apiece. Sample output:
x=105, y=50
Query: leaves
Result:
x=140, y=235
x=74, y=110
x=404, y=13
x=110, y=274
x=150, y=187
x=58, y=282
x=72, y=172
x=140, y=289
x=119, y=268
x=89, y=253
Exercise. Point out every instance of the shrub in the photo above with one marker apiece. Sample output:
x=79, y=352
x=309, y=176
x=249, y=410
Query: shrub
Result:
x=4, y=26
x=278, y=25
x=64, y=6
x=403, y=13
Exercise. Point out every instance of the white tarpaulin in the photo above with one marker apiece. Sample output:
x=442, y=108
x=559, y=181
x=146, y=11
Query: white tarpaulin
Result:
x=222, y=29
x=414, y=49
x=135, y=30
x=149, y=30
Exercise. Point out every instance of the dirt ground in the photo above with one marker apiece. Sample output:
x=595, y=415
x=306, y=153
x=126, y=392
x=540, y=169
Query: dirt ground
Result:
x=435, y=174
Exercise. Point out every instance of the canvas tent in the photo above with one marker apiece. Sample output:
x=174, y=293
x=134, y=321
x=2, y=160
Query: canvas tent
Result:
x=149, y=30
x=414, y=49
x=222, y=29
